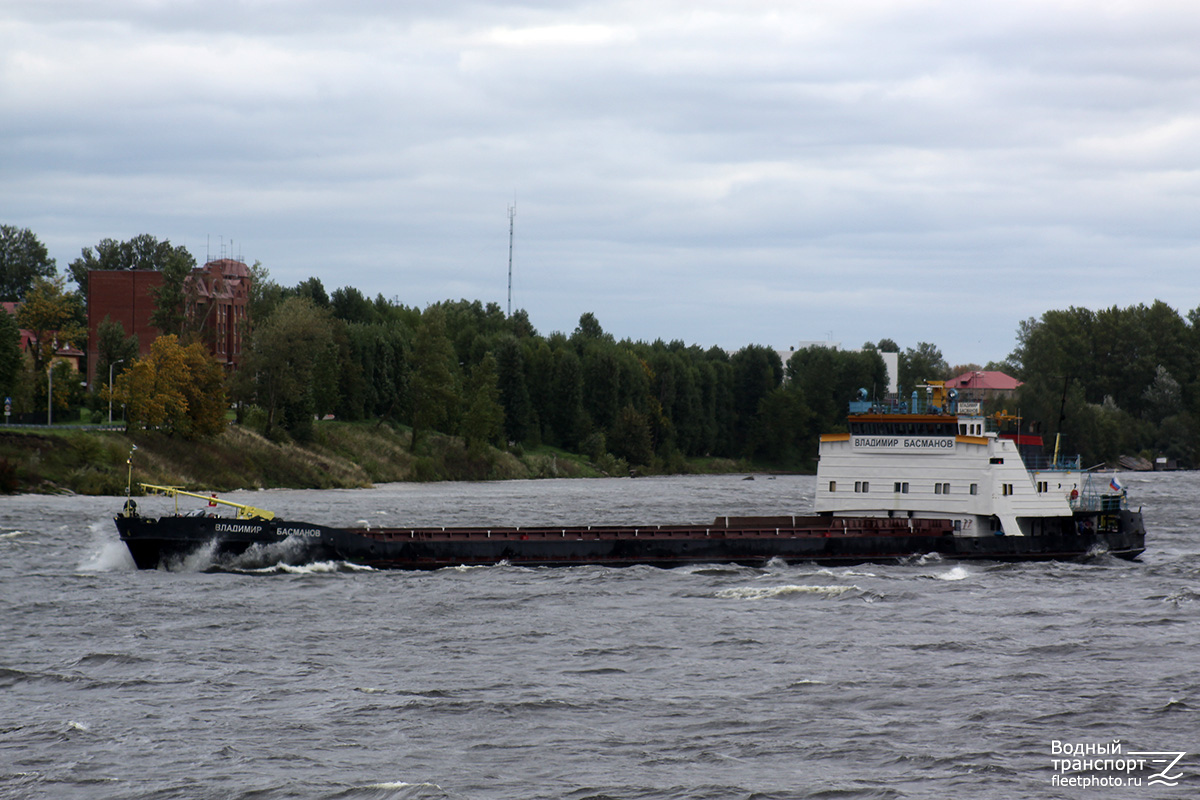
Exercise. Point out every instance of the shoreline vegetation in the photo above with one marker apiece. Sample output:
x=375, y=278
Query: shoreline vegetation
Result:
x=341, y=455
x=359, y=384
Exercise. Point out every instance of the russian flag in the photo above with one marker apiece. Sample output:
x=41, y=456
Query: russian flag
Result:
x=1112, y=484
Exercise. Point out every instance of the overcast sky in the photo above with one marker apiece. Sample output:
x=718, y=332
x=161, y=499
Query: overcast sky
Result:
x=724, y=173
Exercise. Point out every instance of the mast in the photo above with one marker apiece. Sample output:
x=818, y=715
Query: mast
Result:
x=512, y=212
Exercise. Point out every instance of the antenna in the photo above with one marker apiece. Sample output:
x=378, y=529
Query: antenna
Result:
x=512, y=212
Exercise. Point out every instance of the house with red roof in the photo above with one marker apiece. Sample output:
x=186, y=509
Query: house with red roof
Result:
x=980, y=385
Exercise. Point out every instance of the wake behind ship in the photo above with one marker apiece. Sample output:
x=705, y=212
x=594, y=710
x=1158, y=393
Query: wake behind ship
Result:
x=908, y=479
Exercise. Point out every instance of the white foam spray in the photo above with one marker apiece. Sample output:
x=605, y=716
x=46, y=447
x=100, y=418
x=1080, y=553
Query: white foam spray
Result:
x=107, y=553
x=767, y=592
x=957, y=573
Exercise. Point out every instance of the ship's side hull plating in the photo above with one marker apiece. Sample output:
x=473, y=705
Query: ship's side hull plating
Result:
x=749, y=541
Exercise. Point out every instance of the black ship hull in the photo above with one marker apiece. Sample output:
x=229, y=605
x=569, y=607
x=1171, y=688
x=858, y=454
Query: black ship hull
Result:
x=754, y=541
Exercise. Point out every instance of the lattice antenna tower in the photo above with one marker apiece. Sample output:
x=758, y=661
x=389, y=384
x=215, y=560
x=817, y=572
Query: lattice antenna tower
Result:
x=512, y=212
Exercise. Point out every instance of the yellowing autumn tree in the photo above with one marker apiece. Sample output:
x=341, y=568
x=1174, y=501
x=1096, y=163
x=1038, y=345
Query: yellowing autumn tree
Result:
x=55, y=317
x=175, y=389
x=205, y=393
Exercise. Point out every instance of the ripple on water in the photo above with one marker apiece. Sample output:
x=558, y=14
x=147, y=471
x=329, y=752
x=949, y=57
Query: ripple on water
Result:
x=264, y=681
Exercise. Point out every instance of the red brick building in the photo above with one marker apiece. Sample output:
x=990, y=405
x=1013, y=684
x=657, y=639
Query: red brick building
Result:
x=125, y=297
x=217, y=294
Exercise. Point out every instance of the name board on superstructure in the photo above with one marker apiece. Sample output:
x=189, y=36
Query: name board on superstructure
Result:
x=903, y=444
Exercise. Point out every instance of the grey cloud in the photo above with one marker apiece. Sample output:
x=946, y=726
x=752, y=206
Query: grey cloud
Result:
x=720, y=173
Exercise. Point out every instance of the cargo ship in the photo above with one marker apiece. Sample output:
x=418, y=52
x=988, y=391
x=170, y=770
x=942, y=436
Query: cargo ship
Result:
x=907, y=479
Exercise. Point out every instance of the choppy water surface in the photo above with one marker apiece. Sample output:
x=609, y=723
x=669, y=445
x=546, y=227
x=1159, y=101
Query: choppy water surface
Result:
x=925, y=679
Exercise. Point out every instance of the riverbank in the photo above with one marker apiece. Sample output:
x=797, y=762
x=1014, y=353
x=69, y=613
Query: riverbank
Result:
x=342, y=455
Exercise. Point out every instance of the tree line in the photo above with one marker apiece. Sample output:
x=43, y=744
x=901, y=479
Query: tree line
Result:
x=1112, y=382
x=466, y=368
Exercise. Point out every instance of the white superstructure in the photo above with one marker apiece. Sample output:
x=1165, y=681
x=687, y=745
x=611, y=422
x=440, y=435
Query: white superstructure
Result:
x=939, y=464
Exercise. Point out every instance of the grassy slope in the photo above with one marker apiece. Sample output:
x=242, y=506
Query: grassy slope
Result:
x=342, y=455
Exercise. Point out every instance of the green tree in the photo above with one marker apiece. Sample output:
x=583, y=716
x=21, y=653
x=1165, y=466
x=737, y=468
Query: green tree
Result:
x=719, y=397
x=920, y=364
x=313, y=290
x=520, y=326
x=589, y=330
x=676, y=387
x=1163, y=397
x=279, y=371
x=514, y=391
x=828, y=379
x=10, y=355
x=785, y=434
x=566, y=399
x=601, y=388
x=1176, y=438
x=483, y=422
x=23, y=258
x=171, y=299
x=1128, y=372
x=115, y=349
x=714, y=402
x=630, y=437
x=351, y=305
x=265, y=294
x=382, y=353
x=757, y=371
x=539, y=374
x=142, y=252
x=435, y=379
x=67, y=392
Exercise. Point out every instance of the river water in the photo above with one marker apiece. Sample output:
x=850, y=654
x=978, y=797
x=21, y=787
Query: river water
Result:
x=916, y=680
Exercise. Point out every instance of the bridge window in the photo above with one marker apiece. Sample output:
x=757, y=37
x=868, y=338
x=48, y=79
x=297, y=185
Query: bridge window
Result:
x=904, y=428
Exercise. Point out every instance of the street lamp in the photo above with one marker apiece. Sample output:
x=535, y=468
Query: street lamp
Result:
x=110, y=368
